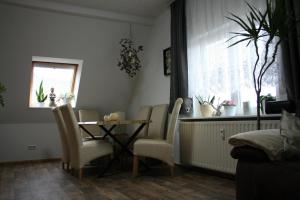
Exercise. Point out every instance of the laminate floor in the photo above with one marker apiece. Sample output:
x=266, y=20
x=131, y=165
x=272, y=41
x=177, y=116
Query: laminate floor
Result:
x=47, y=181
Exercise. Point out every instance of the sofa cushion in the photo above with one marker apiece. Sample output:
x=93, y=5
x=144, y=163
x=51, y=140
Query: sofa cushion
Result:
x=270, y=141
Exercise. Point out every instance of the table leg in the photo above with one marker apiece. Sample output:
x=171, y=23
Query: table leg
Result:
x=123, y=146
x=90, y=134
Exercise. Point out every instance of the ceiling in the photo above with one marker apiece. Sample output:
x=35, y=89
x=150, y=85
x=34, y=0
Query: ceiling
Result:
x=142, y=8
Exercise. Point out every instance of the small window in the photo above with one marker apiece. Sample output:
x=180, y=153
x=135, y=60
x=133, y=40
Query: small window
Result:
x=61, y=76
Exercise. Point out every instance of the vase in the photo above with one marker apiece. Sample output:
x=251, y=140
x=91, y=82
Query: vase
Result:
x=229, y=110
x=206, y=110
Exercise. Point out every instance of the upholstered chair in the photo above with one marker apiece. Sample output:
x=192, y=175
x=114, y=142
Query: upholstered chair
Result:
x=63, y=138
x=158, y=119
x=87, y=116
x=82, y=152
x=158, y=148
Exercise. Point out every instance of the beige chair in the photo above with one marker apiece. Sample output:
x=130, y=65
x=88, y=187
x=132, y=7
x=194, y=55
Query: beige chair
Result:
x=144, y=113
x=63, y=137
x=158, y=119
x=82, y=152
x=86, y=116
x=156, y=148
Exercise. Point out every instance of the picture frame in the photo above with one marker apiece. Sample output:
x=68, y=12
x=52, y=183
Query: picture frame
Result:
x=167, y=61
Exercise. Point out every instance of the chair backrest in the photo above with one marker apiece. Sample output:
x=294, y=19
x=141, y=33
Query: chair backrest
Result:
x=158, y=119
x=173, y=120
x=143, y=113
x=73, y=133
x=86, y=116
x=63, y=134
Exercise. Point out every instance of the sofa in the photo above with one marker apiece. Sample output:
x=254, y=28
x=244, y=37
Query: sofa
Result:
x=258, y=178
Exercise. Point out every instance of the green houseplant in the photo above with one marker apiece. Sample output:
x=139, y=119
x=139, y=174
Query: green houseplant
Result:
x=270, y=27
x=265, y=98
x=41, y=97
x=2, y=90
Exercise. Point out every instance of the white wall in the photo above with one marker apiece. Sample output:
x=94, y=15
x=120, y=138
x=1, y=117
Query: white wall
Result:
x=152, y=87
x=15, y=139
x=27, y=32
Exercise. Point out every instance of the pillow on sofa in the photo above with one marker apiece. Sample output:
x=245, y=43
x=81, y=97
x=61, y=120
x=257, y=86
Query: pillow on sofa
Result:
x=270, y=141
x=290, y=131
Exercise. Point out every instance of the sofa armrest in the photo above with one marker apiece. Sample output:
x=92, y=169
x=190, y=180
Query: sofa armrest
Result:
x=249, y=153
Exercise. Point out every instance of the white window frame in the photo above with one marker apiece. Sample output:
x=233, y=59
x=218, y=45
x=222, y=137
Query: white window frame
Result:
x=76, y=78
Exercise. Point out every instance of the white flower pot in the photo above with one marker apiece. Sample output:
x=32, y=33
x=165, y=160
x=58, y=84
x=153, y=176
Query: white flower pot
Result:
x=206, y=110
x=229, y=110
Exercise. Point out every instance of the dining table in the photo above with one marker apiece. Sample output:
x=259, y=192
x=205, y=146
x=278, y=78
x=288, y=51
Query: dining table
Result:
x=108, y=127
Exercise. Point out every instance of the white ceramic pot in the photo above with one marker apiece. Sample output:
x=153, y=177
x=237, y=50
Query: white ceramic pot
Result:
x=229, y=110
x=206, y=110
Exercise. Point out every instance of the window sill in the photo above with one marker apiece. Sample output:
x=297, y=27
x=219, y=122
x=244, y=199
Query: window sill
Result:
x=45, y=106
x=231, y=118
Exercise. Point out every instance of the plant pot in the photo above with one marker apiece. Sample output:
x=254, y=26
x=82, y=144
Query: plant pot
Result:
x=40, y=104
x=229, y=110
x=206, y=110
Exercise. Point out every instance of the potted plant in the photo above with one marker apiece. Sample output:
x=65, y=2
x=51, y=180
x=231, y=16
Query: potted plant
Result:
x=2, y=90
x=67, y=97
x=206, y=106
x=41, y=97
x=269, y=27
x=229, y=107
x=263, y=100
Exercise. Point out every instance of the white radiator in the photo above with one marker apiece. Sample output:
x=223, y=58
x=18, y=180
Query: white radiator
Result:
x=205, y=144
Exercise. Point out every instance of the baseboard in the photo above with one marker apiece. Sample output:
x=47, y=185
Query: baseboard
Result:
x=30, y=161
x=209, y=171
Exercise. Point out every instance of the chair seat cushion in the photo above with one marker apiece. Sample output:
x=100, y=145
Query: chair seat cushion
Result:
x=93, y=149
x=158, y=149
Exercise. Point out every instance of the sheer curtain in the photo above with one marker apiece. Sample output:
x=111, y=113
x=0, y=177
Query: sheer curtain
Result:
x=214, y=69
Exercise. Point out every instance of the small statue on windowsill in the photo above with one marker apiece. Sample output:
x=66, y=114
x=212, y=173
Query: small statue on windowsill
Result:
x=52, y=97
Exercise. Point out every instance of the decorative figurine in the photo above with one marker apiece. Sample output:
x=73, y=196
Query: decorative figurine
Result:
x=52, y=97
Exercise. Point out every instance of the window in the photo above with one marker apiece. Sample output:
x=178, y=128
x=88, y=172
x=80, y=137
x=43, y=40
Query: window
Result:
x=215, y=69
x=60, y=74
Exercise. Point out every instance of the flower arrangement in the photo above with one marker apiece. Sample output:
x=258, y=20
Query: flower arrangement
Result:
x=228, y=103
x=67, y=97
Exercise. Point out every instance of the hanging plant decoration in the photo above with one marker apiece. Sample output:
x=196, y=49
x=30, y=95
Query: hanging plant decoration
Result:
x=129, y=60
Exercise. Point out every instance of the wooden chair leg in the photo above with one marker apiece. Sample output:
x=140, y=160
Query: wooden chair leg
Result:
x=135, y=166
x=80, y=172
x=63, y=165
x=172, y=170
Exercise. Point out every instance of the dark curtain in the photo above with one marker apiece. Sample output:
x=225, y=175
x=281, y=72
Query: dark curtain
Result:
x=291, y=55
x=179, y=70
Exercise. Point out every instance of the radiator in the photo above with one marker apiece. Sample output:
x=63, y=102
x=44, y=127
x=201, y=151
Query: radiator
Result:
x=205, y=144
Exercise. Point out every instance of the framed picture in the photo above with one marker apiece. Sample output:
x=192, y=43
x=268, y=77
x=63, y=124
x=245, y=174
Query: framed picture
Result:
x=167, y=61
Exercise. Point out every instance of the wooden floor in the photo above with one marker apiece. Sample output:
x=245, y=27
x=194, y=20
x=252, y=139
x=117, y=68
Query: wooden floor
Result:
x=47, y=181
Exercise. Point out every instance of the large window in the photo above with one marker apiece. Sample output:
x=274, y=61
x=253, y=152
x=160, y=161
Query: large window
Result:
x=215, y=69
x=60, y=77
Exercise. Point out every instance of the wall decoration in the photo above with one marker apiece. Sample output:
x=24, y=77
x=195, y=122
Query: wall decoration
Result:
x=2, y=90
x=129, y=60
x=167, y=61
